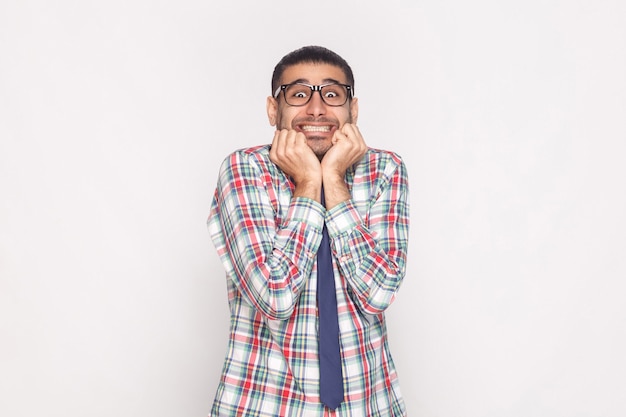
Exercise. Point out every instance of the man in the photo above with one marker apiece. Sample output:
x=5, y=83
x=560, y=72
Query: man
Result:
x=273, y=207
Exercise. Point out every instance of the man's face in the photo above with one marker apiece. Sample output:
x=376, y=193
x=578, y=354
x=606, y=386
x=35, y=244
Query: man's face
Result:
x=317, y=120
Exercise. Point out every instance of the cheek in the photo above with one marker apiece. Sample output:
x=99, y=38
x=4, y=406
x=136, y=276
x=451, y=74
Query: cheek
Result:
x=344, y=117
x=284, y=119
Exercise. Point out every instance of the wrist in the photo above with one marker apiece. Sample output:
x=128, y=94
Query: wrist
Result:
x=308, y=188
x=335, y=191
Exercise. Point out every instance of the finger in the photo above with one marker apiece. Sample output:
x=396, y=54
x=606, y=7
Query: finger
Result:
x=300, y=138
x=357, y=132
x=286, y=139
x=337, y=136
x=294, y=137
x=274, y=145
x=282, y=144
x=351, y=131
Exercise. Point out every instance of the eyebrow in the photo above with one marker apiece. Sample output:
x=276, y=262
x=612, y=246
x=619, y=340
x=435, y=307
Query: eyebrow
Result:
x=324, y=81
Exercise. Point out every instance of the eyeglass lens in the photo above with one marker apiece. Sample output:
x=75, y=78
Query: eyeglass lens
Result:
x=300, y=94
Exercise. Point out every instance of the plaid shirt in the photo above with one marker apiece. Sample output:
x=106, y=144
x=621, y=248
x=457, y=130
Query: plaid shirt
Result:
x=267, y=241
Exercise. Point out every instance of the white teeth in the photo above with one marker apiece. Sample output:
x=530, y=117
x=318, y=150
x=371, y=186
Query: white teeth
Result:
x=316, y=128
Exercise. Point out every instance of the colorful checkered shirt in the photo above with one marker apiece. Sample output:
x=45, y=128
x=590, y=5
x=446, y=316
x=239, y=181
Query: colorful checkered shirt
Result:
x=267, y=241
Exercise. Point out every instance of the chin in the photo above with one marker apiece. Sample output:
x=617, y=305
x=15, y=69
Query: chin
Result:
x=319, y=149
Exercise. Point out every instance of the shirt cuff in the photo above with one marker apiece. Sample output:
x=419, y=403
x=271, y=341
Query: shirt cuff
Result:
x=342, y=219
x=306, y=210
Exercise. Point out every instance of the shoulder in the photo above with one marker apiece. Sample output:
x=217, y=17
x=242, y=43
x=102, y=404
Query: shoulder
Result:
x=384, y=156
x=260, y=152
x=255, y=156
x=384, y=162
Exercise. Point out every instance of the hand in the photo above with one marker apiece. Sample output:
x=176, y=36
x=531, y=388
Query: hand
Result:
x=348, y=148
x=296, y=159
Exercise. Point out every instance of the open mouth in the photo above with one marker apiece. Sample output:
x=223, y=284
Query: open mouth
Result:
x=308, y=128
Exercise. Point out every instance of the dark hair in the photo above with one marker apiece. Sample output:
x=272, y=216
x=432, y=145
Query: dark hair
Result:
x=311, y=54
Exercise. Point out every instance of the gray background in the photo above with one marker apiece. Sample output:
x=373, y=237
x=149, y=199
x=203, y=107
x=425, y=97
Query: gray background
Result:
x=114, y=117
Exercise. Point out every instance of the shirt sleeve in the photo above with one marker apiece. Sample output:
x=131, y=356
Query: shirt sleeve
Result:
x=371, y=253
x=268, y=262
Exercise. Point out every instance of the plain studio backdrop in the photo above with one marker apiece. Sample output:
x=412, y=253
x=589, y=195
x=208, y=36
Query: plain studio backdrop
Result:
x=510, y=116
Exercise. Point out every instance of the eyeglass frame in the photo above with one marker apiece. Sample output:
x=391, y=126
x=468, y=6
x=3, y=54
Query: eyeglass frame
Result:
x=315, y=88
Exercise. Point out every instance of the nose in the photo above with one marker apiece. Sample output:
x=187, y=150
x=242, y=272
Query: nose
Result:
x=316, y=106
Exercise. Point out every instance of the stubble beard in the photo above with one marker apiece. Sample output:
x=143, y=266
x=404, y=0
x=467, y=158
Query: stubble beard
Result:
x=318, y=144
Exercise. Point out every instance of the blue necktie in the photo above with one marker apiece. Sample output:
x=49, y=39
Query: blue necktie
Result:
x=331, y=379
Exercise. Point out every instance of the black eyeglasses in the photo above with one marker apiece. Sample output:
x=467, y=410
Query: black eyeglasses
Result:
x=299, y=94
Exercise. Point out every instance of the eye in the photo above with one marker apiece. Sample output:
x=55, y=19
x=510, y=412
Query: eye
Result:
x=333, y=91
x=298, y=91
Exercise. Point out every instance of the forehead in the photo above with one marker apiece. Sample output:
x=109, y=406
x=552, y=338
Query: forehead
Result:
x=313, y=73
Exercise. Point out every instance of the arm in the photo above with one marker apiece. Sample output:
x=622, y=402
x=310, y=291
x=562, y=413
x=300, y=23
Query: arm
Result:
x=268, y=262
x=371, y=252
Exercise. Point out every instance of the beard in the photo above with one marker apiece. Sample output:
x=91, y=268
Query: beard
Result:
x=319, y=144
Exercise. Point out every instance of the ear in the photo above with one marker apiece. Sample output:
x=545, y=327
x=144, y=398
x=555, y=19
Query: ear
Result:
x=272, y=110
x=354, y=110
